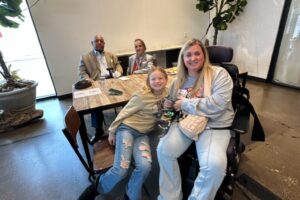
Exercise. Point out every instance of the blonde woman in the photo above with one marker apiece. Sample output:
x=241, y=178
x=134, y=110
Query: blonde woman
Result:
x=188, y=94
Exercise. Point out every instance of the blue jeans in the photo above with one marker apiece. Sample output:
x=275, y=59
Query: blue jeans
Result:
x=211, y=151
x=129, y=143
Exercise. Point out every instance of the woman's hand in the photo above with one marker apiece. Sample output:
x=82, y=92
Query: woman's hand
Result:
x=168, y=103
x=111, y=139
x=178, y=102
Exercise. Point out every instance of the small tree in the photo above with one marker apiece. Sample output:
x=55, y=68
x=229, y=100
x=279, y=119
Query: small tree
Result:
x=225, y=12
x=9, y=9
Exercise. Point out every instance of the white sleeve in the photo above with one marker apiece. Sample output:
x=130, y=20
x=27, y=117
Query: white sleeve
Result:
x=216, y=104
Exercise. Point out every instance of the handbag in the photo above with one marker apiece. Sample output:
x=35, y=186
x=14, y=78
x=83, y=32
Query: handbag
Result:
x=193, y=125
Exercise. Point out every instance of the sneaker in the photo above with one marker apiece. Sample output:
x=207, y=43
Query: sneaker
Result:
x=99, y=133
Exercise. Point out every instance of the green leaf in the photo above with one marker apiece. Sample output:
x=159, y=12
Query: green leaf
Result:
x=8, y=23
x=10, y=8
x=227, y=17
x=205, y=5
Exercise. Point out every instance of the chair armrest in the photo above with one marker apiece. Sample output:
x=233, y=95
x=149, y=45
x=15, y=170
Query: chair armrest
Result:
x=241, y=120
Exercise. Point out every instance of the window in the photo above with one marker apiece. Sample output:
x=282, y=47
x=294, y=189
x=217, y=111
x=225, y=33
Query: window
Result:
x=21, y=49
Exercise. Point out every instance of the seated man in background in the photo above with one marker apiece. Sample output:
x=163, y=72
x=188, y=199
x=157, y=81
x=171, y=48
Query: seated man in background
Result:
x=93, y=65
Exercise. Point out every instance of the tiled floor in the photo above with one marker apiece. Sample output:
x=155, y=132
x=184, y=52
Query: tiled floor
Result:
x=38, y=163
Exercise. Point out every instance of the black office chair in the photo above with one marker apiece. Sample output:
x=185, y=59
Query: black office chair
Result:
x=188, y=162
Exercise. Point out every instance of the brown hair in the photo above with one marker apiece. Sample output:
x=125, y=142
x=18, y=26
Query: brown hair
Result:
x=143, y=43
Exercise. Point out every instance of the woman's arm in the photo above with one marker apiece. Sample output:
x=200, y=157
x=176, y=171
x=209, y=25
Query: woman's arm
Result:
x=216, y=104
x=150, y=59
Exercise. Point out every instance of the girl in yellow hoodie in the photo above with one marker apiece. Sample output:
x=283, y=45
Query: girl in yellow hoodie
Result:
x=128, y=133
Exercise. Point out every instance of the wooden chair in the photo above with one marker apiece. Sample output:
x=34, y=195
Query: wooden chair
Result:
x=103, y=153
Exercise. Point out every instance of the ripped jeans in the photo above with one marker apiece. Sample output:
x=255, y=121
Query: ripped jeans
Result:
x=129, y=144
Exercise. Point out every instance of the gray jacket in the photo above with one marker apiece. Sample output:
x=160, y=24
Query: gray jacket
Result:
x=146, y=63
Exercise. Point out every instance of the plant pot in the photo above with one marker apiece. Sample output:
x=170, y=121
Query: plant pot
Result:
x=19, y=100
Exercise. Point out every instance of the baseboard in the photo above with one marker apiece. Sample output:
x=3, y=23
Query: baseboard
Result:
x=253, y=78
x=64, y=96
x=46, y=98
x=256, y=79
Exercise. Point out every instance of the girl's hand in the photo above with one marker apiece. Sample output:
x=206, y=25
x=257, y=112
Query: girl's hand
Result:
x=111, y=139
x=178, y=102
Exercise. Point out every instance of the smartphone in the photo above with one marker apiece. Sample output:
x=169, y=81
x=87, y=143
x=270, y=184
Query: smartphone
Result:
x=115, y=92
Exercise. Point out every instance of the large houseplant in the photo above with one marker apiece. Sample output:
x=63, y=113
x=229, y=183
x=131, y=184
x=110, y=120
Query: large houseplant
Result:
x=17, y=96
x=9, y=9
x=225, y=11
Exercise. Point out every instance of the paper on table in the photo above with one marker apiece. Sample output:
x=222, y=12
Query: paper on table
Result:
x=124, y=78
x=85, y=93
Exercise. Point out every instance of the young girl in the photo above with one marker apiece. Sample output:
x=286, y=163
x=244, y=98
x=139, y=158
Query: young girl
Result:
x=129, y=133
x=195, y=78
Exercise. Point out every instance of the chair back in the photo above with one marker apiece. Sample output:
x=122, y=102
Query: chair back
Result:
x=219, y=54
x=103, y=153
x=72, y=122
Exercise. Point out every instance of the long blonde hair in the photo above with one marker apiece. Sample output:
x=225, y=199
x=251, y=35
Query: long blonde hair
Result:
x=205, y=73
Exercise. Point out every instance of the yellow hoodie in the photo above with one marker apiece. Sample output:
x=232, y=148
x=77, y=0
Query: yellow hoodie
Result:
x=140, y=113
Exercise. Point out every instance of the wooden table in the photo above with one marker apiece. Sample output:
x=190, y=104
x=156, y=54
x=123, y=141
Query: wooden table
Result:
x=104, y=100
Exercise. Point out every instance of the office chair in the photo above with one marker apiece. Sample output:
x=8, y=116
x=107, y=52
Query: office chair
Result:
x=103, y=154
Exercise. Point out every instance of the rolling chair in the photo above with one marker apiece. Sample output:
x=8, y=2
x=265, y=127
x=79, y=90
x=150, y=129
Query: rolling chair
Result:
x=103, y=153
x=188, y=162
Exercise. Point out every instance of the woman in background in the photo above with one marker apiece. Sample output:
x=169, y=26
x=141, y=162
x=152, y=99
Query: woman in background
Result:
x=140, y=60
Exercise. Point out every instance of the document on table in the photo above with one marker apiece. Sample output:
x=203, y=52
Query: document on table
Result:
x=85, y=93
x=124, y=78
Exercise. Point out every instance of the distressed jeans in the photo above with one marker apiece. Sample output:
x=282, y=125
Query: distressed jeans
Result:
x=211, y=151
x=129, y=144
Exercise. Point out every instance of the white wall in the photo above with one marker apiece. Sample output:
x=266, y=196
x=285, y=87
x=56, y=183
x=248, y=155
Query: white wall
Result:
x=253, y=36
x=65, y=28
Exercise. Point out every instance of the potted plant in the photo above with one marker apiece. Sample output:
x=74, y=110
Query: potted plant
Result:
x=17, y=96
x=225, y=12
